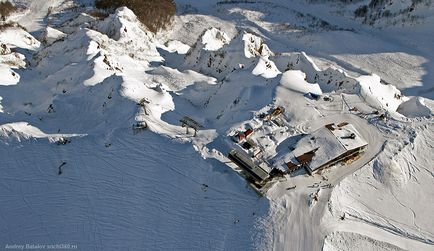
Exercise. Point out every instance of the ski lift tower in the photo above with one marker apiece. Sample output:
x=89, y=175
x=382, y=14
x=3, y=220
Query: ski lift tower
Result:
x=142, y=103
x=188, y=122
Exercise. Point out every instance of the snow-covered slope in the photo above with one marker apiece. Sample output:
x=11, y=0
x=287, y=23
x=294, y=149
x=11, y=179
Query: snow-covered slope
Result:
x=121, y=171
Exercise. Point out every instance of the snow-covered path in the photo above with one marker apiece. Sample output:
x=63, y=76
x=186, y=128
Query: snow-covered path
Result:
x=35, y=14
x=295, y=217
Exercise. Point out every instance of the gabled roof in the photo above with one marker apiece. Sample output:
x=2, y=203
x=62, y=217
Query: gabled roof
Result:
x=326, y=144
x=348, y=136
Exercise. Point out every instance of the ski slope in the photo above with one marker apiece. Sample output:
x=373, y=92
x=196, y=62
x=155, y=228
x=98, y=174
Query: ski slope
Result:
x=142, y=192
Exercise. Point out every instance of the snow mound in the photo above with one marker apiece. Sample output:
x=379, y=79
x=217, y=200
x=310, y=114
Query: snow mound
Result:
x=80, y=58
x=175, y=80
x=16, y=37
x=8, y=61
x=255, y=46
x=123, y=24
x=214, y=39
x=24, y=131
x=116, y=25
x=52, y=35
x=338, y=241
x=13, y=60
x=220, y=63
x=415, y=107
x=266, y=68
x=176, y=46
x=329, y=80
x=124, y=27
x=379, y=95
x=9, y=77
x=239, y=54
x=388, y=172
x=296, y=81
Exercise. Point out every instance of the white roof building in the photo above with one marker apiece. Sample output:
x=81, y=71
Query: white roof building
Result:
x=326, y=146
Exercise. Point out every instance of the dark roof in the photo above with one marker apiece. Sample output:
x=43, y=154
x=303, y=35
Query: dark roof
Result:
x=247, y=164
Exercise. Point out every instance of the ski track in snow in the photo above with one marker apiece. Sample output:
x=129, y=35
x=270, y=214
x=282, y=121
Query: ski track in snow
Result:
x=107, y=197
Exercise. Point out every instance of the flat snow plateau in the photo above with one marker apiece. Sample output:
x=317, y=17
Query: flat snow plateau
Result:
x=93, y=153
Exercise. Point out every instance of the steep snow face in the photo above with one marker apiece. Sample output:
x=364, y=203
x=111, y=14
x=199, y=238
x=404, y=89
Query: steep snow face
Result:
x=51, y=35
x=416, y=107
x=8, y=61
x=214, y=39
x=254, y=46
x=81, y=53
x=295, y=80
x=10, y=39
x=24, y=131
x=220, y=63
x=116, y=25
x=124, y=27
x=9, y=77
x=15, y=37
x=229, y=58
x=175, y=46
x=379, y=95
x=266, y=68
x=329, y=80
x=88, y=48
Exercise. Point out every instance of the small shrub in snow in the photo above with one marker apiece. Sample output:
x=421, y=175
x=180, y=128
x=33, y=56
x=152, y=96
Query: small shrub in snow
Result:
x=6, y=8
x=4, y=26
x=155, y=14
x=98, y=14
x=387, y=13
x=4, y=49
x=361, y=11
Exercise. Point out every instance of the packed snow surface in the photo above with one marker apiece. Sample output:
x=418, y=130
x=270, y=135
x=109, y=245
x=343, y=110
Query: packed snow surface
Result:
x=176, y=46
x=351, y=241
x=295, y=80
